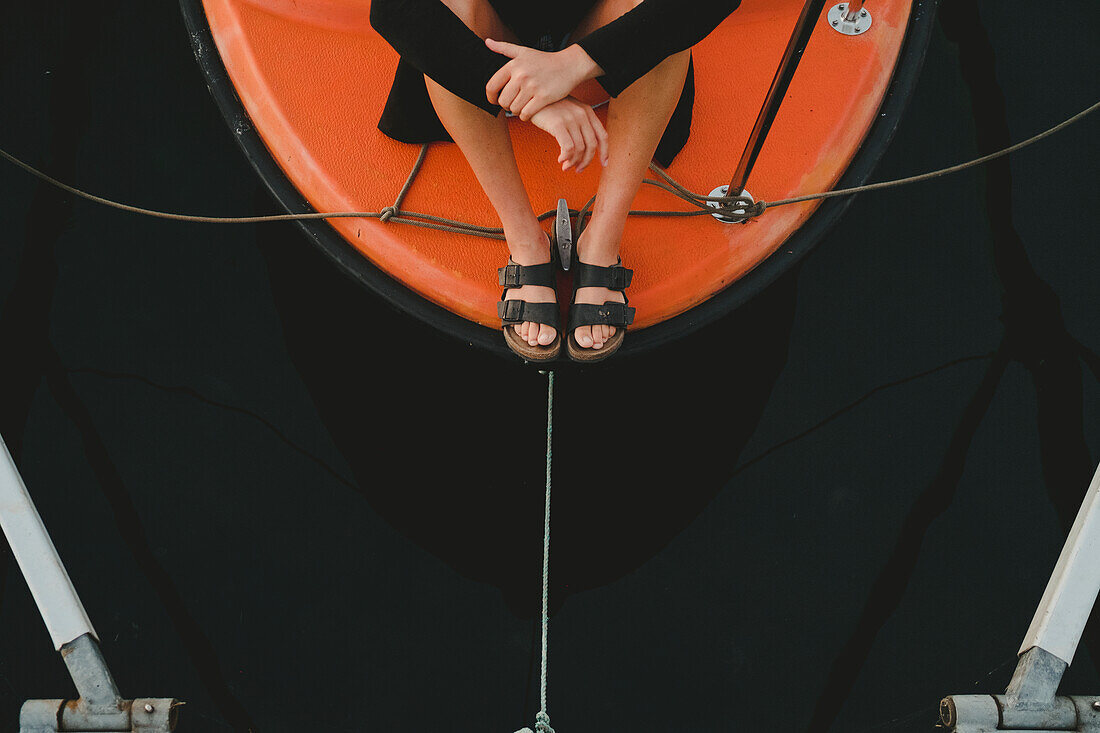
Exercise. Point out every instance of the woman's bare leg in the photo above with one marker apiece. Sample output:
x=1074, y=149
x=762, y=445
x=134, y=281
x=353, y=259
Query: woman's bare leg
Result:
x=487, y=146
x=636, y=119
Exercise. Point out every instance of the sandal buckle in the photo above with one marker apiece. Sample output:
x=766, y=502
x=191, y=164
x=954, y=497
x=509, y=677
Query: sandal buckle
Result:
x=619, y=277
x=511, y=310
x=509, y=276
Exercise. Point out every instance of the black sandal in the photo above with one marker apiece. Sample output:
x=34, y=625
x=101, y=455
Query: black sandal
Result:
x=611, y=313
x=514, y=311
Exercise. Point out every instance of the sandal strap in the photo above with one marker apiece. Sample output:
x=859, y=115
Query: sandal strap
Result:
x=514, y=276
x=610, y=314
x=518, y=311
x=615, y=277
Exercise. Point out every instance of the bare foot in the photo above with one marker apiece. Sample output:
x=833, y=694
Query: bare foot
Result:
x=535, y=334
x=594, y=337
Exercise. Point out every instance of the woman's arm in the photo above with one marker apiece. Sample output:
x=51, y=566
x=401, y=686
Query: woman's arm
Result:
x=616, y=55
x=628, y=48
x=433, y=39
x=534, y=79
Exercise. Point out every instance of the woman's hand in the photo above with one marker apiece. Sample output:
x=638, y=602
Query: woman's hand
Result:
x=534, y=79
x=577, y=129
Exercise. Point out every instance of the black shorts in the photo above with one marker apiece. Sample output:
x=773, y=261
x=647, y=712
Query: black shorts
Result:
x=542, y=25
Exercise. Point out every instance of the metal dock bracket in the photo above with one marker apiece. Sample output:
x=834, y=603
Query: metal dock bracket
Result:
x=1031, y=703
x=99, y=707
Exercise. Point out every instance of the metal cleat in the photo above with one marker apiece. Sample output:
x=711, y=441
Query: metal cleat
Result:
x=563, y=234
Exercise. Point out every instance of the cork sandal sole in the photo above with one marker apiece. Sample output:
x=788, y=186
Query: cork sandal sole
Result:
x=532, y=353
x=579, y=353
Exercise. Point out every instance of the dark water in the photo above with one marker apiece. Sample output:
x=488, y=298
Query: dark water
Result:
x=296, y=509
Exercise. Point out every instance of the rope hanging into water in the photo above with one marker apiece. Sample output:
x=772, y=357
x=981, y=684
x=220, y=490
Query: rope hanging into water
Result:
x=732, y=208
x=542, y=719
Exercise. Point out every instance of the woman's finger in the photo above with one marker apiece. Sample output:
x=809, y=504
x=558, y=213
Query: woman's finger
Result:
x=578, y=142
x=565, y=141
x=601, y=135
x=520, y=102
x=508, y=93
x=591, y=144
x=496, y=83
x=532, y=108
x=503, y=47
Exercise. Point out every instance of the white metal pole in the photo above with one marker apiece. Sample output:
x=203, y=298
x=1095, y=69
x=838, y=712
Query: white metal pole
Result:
x=1073, y=586
x=50, y=585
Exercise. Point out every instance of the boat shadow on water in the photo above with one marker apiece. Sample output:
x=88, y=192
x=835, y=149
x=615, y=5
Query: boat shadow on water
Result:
x=447, y=443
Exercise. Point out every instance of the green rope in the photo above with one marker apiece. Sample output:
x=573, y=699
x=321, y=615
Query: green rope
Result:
x=542, y=719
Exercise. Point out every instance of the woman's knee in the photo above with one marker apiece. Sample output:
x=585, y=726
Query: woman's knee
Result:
x=604, y=12
x=480, y=17
x=621, y=7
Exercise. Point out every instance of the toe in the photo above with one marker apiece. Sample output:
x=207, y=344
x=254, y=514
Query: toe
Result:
x=521, y=329
x=546, y=335
x=584, y=337
x=533, y=334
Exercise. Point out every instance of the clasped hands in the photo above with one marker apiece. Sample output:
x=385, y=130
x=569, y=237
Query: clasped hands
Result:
x=536, y=86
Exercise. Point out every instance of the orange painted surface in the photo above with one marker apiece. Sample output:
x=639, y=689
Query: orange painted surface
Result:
x=313, y=76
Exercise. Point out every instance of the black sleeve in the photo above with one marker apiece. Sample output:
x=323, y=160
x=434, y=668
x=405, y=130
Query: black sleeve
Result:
x=429, y=36
x=630, y=46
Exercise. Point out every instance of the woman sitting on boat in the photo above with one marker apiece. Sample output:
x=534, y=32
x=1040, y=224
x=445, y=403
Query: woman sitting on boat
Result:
x=465, y=61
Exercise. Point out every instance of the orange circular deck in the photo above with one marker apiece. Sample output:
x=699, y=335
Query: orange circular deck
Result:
x=313, y=77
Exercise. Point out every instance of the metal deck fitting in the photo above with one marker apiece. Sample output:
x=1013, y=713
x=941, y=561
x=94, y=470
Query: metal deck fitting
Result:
x=850, y=18
x=724, y=191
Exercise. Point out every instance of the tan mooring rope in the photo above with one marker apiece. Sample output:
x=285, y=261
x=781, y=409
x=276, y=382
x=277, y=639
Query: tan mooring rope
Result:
x=732, y=208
